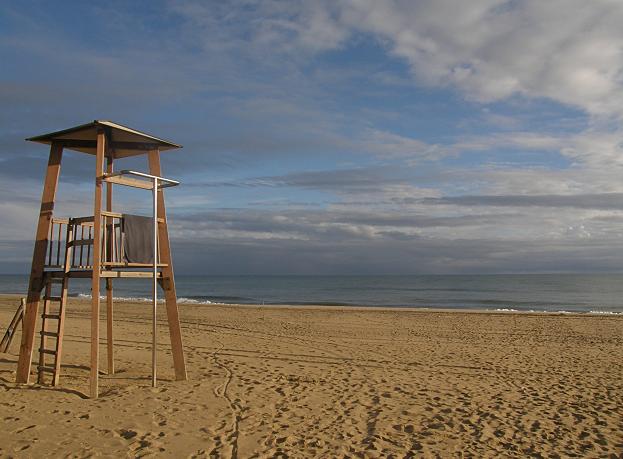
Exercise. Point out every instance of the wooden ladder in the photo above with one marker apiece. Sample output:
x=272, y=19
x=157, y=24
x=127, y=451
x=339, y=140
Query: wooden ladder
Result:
x=52, y=326
x=53, y=316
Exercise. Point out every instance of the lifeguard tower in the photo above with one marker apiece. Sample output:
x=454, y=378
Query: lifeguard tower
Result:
x=105, y=246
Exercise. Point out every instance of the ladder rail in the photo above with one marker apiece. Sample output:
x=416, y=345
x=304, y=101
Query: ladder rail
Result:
x=61, y=320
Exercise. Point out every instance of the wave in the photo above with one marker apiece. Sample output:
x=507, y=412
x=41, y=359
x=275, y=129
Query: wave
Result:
x=185, y=300
x=141, y=299
x=560, y=311
x=489, y=304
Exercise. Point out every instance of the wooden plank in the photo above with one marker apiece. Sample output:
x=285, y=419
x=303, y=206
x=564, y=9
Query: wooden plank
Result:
x=97, y=249
x=82, y=220
x=10, y=331
x=81, y=242
x=69, y=237
x=51, y=244
x=87, y=274
x=58, y=244
x=109, y=284
x=121, y=264
x=177, y=348
x=35, y=283
x=120, y=215
x=119, y=180
x=76, y=143
x=109, y=326
x=128, y=274
x=111, y=214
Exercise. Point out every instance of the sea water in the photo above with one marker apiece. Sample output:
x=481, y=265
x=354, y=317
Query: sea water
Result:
x=597, y=293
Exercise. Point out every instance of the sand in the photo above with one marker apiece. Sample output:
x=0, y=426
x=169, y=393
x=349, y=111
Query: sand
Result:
x=329, y=382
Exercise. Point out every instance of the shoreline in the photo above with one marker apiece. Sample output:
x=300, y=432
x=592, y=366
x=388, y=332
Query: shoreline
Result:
x=358, y=308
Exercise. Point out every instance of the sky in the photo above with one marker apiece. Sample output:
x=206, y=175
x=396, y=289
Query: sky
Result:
x=333, y=137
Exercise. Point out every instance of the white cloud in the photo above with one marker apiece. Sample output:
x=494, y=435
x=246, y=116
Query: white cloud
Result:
x=566, y=50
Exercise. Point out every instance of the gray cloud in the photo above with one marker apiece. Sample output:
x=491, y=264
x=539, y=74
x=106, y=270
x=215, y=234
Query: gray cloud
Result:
x=605, y=201
x=397, y=255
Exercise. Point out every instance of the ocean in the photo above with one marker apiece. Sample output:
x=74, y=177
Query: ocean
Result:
x=596, y=293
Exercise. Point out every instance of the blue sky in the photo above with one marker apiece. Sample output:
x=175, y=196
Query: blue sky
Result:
x=334, y=137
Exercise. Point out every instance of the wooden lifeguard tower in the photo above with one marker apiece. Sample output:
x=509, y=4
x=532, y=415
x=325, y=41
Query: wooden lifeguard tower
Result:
x=93, y=247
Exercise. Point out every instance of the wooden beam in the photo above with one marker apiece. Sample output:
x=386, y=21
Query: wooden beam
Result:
x=123, y=264
x=177, y=348
x=120, y=215
x=97, y=254
x=35, y=283
x=87, y=274
x=82, y=221
x=80, y=242
x=117, y=179
x=143, y=146
x=10, y=331
x=129, y=274
x=109, y=285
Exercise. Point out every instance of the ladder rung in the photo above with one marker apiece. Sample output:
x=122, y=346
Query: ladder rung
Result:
x=46, y=369
x=48, y=333
x=47, y=351
x=50, y=316
x=53, y=298
x=56, y=279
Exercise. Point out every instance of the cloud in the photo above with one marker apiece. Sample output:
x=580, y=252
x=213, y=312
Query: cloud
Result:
x=605, y=201
x=567, y=51
x=338, y=136
x=493, y=49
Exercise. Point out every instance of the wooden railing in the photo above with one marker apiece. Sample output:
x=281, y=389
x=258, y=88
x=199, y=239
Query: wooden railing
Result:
x=113, y=253
x=55, y=255
x=80, y=233
x=81, y=239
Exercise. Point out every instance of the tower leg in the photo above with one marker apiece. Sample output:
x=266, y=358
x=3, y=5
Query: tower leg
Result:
x=109, y=291
x=168, y=281
x=35, y=283
x=97, y=266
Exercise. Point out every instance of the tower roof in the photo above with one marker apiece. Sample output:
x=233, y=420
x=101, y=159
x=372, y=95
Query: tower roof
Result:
x=124, y=141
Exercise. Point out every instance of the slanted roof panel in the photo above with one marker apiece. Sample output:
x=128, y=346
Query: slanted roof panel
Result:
x=124, y=141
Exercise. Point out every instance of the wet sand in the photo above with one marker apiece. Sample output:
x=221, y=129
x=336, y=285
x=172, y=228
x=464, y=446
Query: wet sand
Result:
x=328, y=382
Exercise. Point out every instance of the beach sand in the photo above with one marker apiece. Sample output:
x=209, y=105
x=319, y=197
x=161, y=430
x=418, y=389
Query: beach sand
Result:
x=328, y=382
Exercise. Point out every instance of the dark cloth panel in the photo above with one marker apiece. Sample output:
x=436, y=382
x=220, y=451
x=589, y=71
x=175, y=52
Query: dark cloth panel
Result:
x=138, y=238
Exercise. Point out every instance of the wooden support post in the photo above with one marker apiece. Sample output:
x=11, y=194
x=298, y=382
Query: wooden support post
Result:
x=35, y=283
x=97, y=262
x=109, y=285
x=109, y=329
x=168, y=282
